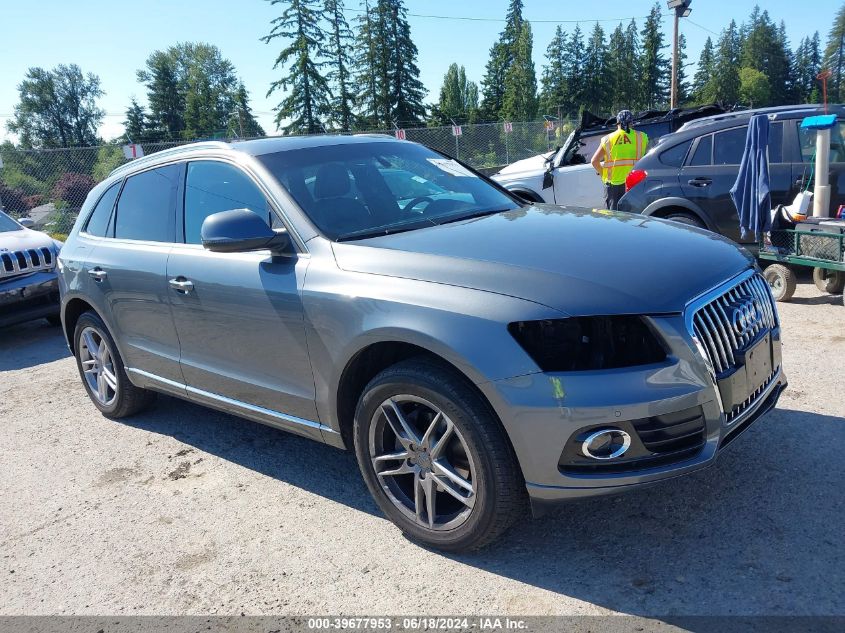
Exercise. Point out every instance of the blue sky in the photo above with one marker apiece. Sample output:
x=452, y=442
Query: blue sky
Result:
x=113, y=38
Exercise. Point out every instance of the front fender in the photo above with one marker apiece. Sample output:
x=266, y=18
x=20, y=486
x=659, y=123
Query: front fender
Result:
x=347, y=312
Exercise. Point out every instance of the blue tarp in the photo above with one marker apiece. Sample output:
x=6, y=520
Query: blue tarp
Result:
x=750, y=192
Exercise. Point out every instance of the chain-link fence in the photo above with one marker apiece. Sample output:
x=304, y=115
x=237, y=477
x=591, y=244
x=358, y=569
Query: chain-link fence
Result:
x=49, y=186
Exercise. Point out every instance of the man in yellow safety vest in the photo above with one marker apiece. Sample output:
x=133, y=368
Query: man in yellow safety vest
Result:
x=616, y=155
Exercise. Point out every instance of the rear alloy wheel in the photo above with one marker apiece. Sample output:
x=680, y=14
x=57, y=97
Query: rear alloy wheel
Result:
x=781, y=280
x=831, y=282
x=435, y=459
x=102, y=371
x=686, y=218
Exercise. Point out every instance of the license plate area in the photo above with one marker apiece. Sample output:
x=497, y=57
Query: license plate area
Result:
x=754, y=367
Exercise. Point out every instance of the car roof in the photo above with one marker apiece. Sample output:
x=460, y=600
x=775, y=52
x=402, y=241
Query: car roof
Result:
x=256, y=147
x=775, y=113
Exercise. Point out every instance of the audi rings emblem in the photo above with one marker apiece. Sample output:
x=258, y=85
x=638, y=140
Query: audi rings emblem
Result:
x=606, y=444
x=744, y=314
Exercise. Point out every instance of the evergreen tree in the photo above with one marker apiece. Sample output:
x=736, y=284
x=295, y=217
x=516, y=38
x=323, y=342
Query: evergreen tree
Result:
x=458, y=98
x=764, y=49
x=632, y=62
x=407, y=91
x=367, y=68
x=554, y=91
x=190, y=90
x=136, y=122
x=307, y=100
x=683, y=84
x=595, y=93
x=622, y=69
x=703, y=90
x=725, y=84
x=654, y=67
x=502, y=55
x=834, y=57
x=342, y=103
x=520, y=99
x=573, y=70
x=242, y=122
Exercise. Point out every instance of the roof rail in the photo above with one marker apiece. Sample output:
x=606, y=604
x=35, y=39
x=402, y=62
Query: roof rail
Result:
x=169, y=152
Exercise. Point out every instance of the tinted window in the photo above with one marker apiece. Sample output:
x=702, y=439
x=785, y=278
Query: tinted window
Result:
x=703, y=151
x=674, y=156
x=145, y=208
x=728, y=146
x=346, y=189
x=213, y=187
x=776, y=143
x=101, y=215
x=807, y=140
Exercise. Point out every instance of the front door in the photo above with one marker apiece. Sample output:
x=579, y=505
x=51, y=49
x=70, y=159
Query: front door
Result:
x=239, y=316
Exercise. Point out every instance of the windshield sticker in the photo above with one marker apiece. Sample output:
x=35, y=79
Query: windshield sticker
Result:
x=419, y=179
x=451, y=167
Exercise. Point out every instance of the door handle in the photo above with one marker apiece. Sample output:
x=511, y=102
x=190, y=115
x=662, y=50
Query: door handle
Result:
x=180, y=284
x=700, y=182
x=98, y=273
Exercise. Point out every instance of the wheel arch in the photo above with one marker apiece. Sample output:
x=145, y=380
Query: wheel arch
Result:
x=72, y=310
x=668, y=206
x=525, y=193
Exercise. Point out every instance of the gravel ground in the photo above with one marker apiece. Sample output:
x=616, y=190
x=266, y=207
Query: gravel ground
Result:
x=182, y=510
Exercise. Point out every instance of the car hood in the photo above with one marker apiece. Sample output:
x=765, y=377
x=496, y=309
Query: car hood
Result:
x=25, y=238
x=533, y=164
x=576, y=261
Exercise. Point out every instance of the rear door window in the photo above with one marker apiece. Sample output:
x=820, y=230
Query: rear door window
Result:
x=146, y=206
x=98, y=221
x=728, y=146
x=703, y=151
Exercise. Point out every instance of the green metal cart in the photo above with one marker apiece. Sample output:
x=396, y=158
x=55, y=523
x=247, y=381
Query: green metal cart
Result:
x=823, y=252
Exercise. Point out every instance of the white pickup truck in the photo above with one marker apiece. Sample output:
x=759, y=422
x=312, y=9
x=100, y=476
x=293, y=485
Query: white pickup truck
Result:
x=565, y=175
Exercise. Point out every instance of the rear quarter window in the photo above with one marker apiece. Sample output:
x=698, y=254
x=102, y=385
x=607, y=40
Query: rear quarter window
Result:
x=98, y=221
x=674, y=156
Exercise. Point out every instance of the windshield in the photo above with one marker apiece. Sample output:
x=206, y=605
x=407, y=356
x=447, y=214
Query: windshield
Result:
x=8, y=224
x=358, y=190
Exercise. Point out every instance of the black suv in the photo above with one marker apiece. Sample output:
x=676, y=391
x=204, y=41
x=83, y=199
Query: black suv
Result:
x=688, y=175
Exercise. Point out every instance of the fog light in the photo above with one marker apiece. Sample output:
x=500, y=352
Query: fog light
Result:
x=606, y=444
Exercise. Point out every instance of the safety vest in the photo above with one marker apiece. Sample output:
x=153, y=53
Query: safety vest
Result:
x=621, y=150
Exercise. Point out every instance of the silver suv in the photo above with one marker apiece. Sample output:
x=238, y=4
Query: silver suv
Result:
x=477, y=352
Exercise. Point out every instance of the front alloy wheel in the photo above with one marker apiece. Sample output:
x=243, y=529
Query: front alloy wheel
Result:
x=422, y=462
x=435, y=458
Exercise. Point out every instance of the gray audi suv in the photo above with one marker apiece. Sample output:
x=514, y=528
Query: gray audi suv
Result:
x=482, y=356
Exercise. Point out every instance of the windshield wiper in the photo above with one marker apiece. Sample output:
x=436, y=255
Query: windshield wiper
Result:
x=381, y=231
x=473, y=214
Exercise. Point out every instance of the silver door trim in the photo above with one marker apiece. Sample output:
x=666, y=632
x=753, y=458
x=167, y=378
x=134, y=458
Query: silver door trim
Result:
x=287, y=422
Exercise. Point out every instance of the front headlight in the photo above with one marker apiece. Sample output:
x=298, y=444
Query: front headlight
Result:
x=585, y=343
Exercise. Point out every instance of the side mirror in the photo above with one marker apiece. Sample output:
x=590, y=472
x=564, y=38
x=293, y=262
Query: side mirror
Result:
x=26, y=223
x=241, y=230
x=548, y=178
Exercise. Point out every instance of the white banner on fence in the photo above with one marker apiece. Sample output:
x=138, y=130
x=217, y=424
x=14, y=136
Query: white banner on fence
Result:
x=508, y=126
x=133, y=150
x=456, y=130
x=400, y=134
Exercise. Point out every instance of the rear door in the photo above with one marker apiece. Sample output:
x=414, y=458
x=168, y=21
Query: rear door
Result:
x=713, y=166
x=128, y=267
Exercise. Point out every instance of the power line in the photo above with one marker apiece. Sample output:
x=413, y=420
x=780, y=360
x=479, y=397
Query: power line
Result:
x=478, y=19
x=704, y=28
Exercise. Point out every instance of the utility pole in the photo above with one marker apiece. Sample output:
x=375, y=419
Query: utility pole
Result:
x=681, y=10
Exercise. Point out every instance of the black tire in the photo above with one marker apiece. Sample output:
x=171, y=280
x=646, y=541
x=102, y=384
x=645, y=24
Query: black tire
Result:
x=686, y=218
x=54, y=320
x=830, y=281
x=128, y=399
x=498, y=488
x=781, y=280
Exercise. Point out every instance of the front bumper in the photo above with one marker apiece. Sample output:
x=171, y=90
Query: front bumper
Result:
x=543, y=412
x=29, y=297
